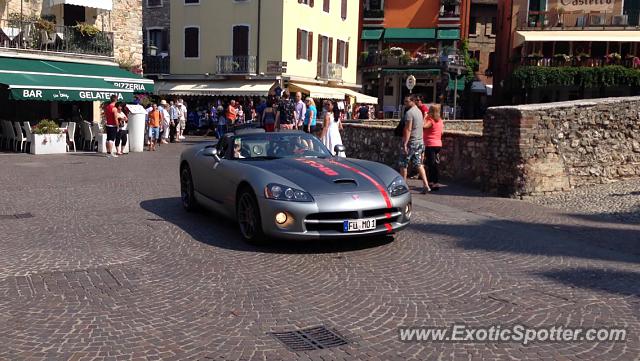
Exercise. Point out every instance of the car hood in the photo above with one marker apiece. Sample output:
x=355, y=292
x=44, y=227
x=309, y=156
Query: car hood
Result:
x=324, y=176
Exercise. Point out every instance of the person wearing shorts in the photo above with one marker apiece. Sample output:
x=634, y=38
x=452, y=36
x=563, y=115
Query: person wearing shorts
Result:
x=154, y=126
x=111, y=116
x=412, y=148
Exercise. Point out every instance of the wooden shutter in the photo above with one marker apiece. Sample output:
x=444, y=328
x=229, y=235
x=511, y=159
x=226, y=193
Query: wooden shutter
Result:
x=319, y=48
x=299, y=1
x=327, y=5
x=299, y=44
x=343, y=9
x=310, y=46
x=346, y=54
x=338, y=51
x=330, y=50
x=311, y=3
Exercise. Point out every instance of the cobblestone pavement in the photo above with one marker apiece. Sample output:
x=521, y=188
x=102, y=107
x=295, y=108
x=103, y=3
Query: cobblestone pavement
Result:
x=110, y=268
x=618, y=201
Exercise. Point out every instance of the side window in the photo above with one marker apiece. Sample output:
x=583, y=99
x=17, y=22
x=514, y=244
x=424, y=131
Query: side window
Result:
x=222, y=147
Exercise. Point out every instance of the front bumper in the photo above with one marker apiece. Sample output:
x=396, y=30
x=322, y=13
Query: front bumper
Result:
x=323, y=218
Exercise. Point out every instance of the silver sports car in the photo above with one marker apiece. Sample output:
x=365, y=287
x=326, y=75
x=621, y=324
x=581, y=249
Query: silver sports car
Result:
x=288, y=185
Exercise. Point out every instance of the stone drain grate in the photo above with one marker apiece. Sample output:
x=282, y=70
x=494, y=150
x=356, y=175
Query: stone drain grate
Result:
x=310, y=339
x=16, y=216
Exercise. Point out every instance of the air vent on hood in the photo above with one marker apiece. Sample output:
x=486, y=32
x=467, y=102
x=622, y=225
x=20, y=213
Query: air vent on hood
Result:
x=347, y=181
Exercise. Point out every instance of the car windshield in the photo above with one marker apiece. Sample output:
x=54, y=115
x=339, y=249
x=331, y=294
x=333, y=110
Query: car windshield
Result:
x=263, y=146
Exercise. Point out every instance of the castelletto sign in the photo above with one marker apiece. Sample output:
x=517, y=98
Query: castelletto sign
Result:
x=587, y=5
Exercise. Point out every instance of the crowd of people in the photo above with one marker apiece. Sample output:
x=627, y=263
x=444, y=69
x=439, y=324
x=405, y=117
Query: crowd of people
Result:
x=421, y=131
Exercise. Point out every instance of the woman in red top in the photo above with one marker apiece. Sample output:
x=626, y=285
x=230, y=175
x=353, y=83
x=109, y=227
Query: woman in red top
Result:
x=432, y=135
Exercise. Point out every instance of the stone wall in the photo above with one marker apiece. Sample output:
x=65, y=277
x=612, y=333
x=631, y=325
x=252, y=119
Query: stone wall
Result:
x=459, y=125
x=461, y=157
x=546, y=148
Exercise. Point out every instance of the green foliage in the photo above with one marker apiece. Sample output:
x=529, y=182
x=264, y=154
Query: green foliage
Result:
x=586, y=77
x=46, y=126
x=472, y=63
x=87, y=29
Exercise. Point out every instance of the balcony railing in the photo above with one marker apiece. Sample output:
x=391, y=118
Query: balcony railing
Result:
x=156, y=64
x=29, y=35
x=419, y=60
x=330, y=71
x=236, y=65
x=564, y=61
x=577, y=20
x=450, y=9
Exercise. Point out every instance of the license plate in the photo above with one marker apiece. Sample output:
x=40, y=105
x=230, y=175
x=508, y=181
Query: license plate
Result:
x=359, y=225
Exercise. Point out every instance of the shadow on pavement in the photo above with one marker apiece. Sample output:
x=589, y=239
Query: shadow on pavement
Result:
x=628, y=217
x=611, y=281
x=214, y=230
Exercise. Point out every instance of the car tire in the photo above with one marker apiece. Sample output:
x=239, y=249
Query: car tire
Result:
x=187, y=194
x=249, y=220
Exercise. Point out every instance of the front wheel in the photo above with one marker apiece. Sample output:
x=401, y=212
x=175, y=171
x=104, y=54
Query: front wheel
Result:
x=187, y=194
x=248, y=216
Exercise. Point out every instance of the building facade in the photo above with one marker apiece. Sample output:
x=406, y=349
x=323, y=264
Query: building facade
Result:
x=562, y=44
x=156, y=30
x=483, y=20
x=254, y=47
x=55, y=54
x=401, y=38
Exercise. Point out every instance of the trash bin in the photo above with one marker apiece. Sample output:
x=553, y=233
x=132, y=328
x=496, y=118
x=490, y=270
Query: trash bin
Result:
x=137, y=120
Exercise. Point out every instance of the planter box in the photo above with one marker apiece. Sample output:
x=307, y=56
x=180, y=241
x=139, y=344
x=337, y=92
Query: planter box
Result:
x=48, y=143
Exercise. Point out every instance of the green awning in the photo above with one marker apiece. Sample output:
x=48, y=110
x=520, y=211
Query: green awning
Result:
x=408, y=35
x=412, y=71
x=452, y=84
x=371, y=34
x=448, y=34
x=61, y=88
x=47, y=75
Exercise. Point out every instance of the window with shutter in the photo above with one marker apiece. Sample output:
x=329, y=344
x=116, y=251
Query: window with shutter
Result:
x=330, y=50
x=298, y=44
x=343, y=10
x=326, y=5
x=310, y=46
x=191, y=42
x=346, y=55
x=304, y=45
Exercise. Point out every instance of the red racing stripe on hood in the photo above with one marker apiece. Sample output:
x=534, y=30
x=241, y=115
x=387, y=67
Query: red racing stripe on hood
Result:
x=379, y=187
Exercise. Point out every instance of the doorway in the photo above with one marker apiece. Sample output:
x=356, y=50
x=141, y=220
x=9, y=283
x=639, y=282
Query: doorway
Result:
x=73, y=15
x=240, y=41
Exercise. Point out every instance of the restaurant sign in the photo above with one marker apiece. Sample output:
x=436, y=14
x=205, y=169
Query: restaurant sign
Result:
x=136, y=87
x=62, y=95
x=587, y=5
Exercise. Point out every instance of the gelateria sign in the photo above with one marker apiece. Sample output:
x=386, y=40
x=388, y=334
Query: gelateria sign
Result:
x=587, y=5
x=69, y=94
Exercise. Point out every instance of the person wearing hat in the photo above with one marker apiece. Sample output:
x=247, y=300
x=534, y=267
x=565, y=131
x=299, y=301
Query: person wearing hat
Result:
x=166, y=120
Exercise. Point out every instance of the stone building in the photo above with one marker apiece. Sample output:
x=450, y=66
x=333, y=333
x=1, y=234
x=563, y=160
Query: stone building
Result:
x=156, y=28
x=482, y=46
x=62, y=58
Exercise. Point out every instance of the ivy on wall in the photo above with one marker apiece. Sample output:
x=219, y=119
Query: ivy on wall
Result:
x=586, y=77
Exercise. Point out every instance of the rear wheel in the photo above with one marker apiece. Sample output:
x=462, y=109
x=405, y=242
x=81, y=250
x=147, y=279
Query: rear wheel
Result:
x=187, y=194
x=248, y=216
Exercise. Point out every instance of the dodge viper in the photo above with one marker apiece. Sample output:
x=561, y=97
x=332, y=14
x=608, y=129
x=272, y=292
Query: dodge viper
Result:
x=288, y=185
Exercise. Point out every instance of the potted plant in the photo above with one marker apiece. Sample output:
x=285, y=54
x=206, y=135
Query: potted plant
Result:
x=614, y=58
x=560, y=11
x=48, y=138
x=562, y=59
x=87, y=30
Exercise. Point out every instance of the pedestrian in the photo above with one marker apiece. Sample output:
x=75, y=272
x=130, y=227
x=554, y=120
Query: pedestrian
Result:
x=331, y=129
x=412, y=147
x=231, y=113
x=432, y=134
x=121, y=136
x=269, y=117
x=423, y=107
x=301, y=111
x=174, y=120
x=309, y=125
x=166, y=121
x=285, y=118
x=240, y=113
x=261, y=107
x=363, y=112
x=111, y=115
x=155, y=117
x=221, y=129
x=182, y=119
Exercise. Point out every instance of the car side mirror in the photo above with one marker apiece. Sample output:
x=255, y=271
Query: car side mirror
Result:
x=339, y=148
x=211, y=152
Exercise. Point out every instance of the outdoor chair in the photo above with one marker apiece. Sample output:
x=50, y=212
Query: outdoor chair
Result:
x=71, y=135
x=26, y=127
x=20, y=138
x=47, y=39
x=4, y=137
x=11, y=135
x=87, y=137
x=95, y=132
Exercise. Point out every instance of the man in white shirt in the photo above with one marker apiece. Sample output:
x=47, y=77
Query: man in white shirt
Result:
x=173, y=115
x=182, y=118
x=166, y=120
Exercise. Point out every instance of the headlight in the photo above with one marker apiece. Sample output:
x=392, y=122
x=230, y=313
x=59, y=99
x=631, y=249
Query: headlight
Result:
x=397, y=187
x=285, y=193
